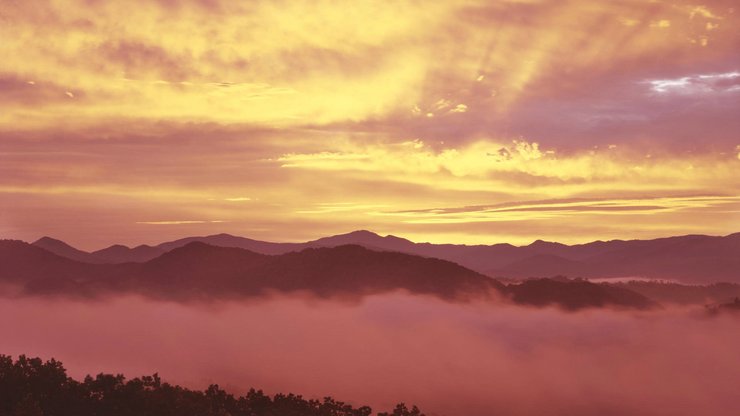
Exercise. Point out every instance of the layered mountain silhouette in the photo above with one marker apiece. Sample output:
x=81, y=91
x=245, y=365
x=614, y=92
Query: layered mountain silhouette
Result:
x=114, y=254
x=691, y=258
x=198, y=270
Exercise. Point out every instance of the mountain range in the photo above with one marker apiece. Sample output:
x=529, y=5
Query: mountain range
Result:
x=201, y=270
x=198, y=270
x=688, y=259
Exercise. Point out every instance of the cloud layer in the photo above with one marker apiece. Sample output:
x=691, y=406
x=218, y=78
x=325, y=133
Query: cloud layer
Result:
x=450, y=359
x=188, y=113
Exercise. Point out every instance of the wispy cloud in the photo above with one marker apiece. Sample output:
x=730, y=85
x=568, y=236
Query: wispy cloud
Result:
x=180, y=222
x=699, y=84
x=528, y=210
x=258, y=113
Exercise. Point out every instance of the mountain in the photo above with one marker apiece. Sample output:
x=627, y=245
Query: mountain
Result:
x=22, y=262
x=691, y=258
x=37, y=270
x=366, y=239
x=63, y=249
x=575, y=294
x=113, y=254
x=478, y=257
x=198, y=270
x=349, y=270
x=121, y=254
x=351, y=267
x=201, y=270
x=362, y=238
x=227, y=240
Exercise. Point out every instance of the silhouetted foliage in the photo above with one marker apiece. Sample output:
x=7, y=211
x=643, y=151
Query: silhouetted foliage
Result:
x=402, y=410
x=32, y=387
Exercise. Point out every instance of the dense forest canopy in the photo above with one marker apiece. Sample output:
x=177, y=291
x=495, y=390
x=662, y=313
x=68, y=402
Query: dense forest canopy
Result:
x=33, y=387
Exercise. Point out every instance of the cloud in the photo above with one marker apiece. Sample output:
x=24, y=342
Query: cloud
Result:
x=699, y=84
x=185, y=105
x=481, y=163
x=180, y=222
x=559, y=208
x=301, y=182
x=373, y=60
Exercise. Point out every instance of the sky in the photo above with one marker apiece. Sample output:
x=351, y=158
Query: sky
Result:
x=447, y=121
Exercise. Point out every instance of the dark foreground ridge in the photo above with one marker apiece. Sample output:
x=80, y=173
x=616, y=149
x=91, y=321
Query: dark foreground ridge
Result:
x=202, y=272
x=32, y=387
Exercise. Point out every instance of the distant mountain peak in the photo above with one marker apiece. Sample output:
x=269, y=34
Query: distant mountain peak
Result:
x=119, y=253
x=47, y=241
x=365, y=234
x=117, y=247
x=360, y=233
x=195, y=245
x=364, y=238
x=540, y=243
x=61, y=248
x=223, y=235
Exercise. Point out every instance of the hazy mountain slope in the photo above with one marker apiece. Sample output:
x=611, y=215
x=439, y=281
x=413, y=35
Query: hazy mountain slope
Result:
x=692, y=258
x=322, y=271
x=63, y=249
x=23, y=262
x=114, y=254
x=122, y=254
x=198, y=270
x=352, y=267
x=227, y=240
x=36, y=270
x=575, y=294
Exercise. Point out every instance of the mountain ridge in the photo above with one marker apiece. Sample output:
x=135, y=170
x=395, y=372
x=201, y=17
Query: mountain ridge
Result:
x=201, y=271
x=690, y=258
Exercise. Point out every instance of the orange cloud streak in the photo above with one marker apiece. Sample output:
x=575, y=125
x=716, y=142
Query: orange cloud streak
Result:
x=291, y=120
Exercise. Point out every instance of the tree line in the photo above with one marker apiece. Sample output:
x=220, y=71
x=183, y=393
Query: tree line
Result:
x=33, y=387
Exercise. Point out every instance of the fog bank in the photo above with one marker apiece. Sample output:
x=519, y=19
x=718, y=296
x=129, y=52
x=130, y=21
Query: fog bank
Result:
x=450, y=359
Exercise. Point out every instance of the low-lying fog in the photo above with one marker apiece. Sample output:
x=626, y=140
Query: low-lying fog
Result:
x=449, y=359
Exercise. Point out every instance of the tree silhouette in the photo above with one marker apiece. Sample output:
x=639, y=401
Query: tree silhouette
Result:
x=32, y=387
x=402, y=410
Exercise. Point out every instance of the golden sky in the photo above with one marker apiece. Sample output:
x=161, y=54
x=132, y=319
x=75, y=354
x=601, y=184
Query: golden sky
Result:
x=443, y=121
